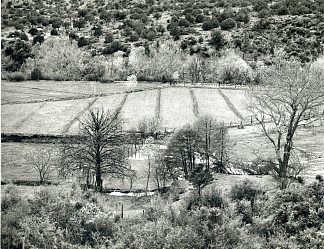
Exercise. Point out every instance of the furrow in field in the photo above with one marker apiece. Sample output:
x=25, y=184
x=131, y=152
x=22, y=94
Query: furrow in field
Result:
x=158, y=106
x=13, y=116
x=211, y=103
x=230, y=105
x=139, y=106
x=238, y=99
x=176, y=108
x=76, y=118
x=109, y=103
x=28, y=116
x=195, y=103
x=52, y=119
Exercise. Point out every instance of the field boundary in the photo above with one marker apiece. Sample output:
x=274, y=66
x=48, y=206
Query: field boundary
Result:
x=85, y=96
x=28, y=116
x=195, y=107
x=47, y=90
x=158, y=106
x=68, y=126
x=230, y=105
x=120, y=106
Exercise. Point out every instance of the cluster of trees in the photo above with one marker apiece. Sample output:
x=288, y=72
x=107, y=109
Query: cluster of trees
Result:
x=159, y=63
x=199, y=148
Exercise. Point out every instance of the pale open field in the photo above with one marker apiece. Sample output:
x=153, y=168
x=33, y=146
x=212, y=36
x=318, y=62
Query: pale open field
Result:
x=176, y=110
x=139, y=106
x=28, y=91
x=210, y=102
x=109, y=103
x=239, y=100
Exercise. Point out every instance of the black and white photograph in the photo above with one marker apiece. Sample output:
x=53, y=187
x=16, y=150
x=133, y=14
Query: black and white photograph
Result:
x=162, y=124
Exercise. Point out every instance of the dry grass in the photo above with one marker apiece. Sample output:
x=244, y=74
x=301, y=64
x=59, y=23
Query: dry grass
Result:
x=238, y=99
x=14, y=166
x=176, y=107
x=250, y=141
x=14, y=163
x=53, y=117
x=109, y=103
x=14, y=115
x=139, y=106
x=28, y=91
x=210, y=102
x=176, y=110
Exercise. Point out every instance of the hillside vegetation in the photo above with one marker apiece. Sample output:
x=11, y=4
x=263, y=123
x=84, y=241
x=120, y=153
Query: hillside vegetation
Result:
x=110, y=34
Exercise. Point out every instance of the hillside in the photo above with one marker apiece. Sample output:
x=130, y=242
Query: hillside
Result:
x=254, y=27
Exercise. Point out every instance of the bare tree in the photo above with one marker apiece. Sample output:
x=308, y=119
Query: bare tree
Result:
x=213, y=141
x=99, y=149
x=149, y=127
x=291, y=97
x=196, y=68
x=160, y=169
x=42, y=162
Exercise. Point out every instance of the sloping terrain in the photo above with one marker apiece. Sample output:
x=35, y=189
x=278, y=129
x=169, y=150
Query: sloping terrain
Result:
x=176, y=109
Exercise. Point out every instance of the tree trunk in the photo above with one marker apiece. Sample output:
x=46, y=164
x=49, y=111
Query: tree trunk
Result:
x=98, y=181
x=98, y=175
x=148, y=175
x=40, y=178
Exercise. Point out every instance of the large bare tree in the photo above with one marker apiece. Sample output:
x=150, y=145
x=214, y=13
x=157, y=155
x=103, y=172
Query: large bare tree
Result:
x=99, y=149
x=293, y=95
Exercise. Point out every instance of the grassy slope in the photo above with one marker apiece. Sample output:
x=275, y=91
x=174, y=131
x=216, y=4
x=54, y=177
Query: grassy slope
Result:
x=176, y=107
x=210, y=102
x=176, y=110
x=31, y=91
x=139, y=106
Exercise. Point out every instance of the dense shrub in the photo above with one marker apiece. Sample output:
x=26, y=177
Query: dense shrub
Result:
x=33, y=31
x=36, y=74
x=15, y=54
x=212, y=197
x=54, y=32
x=226, y=14
x=38, y=39
x=262, y=24
x=217, y=40
x=260, y=5
x=245, y=191
x=151, y=35
x=82, y=42
x=109, y=38
x=183, y=22
x=69, y=218
x=94, y=71
x=15, y=76
x=134, y=37
x=114, y=47
x=228, y=24
x=200, y=18
x=211, y=24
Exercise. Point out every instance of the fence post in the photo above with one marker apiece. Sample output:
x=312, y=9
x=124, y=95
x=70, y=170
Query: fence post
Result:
x=122, y=211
